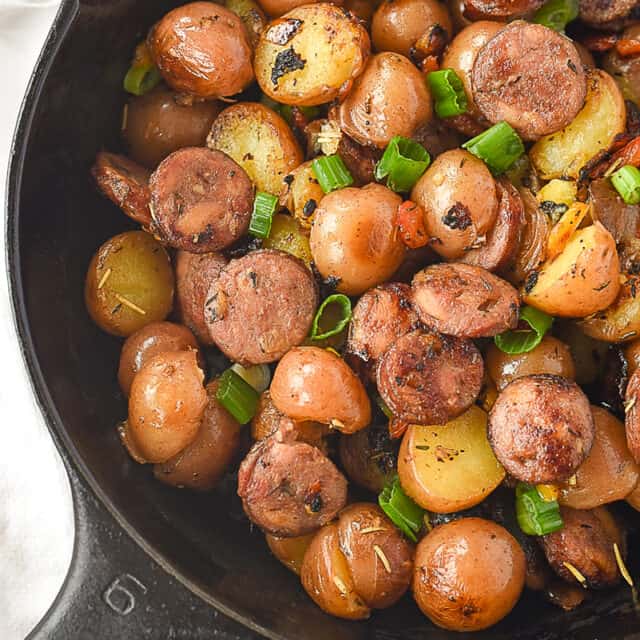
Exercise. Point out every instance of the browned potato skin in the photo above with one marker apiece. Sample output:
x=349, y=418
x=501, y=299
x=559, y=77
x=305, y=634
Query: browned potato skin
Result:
x=460, y=200
x=353, y=237
x=326, y=579
x=378, y=587
x=202, y=464
x=133, y=266
x=390, y=98
x=166, y=405
x=275, y=8
x=609, y=473
x=586, y=542
x=314, y=384
x=468, y=574
x=151, y=340
x=290, y=551
x=158, y=123
x=398, y=24
x=550, y=356
x=202, y=49
x=194, y=274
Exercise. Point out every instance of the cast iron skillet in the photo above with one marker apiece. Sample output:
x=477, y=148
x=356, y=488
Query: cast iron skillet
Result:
x=55, y=222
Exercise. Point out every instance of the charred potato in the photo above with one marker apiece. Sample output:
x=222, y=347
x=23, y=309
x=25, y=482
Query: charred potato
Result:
x=301, y=194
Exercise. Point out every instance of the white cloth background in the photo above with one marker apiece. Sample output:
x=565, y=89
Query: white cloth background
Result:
x=36, y=516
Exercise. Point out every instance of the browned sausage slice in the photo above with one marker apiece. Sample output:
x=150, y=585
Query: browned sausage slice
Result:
x=261, y=305
x=598, y=13
x=382, y=315
x=531, y=77
x=126, y=184
x=426, y=378
x=195, y=272
x=503, y=241
x=501, y=10
x=465, y=301
x=289, y=488
x=541, y=428
x=201, y=200
x=585, y=544
x=632, y=415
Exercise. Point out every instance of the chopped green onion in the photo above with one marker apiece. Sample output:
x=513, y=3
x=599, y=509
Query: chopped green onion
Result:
x=238, y=397
x=536, y=516
x=384, y=408
x=499, y=147
x=401, y=509
x=525, y=340
x=557, y=14
x=448, y=93
x=141, y=78
x=331, y=173
x=258, y=375
x=264, y=206
x=627, y=184
x=320, y=332
x=402, y=163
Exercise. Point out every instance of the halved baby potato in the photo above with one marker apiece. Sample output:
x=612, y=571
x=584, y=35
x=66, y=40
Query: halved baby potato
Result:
x=311, y=55
x=603, y=117
x=290, y=551
x=288, y=235
x=447, y=468
x=259, y=140
x=301, y=194
x=583, y=279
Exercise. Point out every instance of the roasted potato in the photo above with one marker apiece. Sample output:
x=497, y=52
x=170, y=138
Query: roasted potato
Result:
x=275, y=8
x=603, y=117
x=583, y=279
x=129, y=283
x=290, y=551
x=259, y=140
x=449, y=467
x=609, y=473
x=311, y=55
x=288, y=235
x=301, y=194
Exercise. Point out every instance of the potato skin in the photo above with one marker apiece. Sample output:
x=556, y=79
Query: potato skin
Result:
x=259, y=140
x=290, y=551
x=389, y=99
x=581, y=280
x=202, y=49
x=314, y=384
x=166, y=405
x=353, y=238
x=276, y=8
x=311, y=55
x=468, y=574
x=202, y=464
x=460, y=200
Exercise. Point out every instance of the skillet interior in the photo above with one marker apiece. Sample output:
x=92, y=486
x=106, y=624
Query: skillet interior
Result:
x=56, y=221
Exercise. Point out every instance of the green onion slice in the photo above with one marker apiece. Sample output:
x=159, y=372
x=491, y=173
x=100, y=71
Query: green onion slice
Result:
x=331, y=173
x=536, y=516
x=557, y=14
x=524, y=340
x=401, y=509
x=402, y=163
x=499, y=147
x=141, y=78
x=384, y=408
x=264, y=206
x=238, y=397
x=257, y=375
x=318, y=329
x=448, y=93
x=627, y=183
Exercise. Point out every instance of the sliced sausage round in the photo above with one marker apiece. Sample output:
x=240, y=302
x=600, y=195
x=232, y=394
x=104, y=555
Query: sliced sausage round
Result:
x=531, y=77
x=585, y=544
x=499, y=9
x=195, y=272
x=599, y=13
x=503, y=240
x=465, y=301
x=382, y=315
x=201, y=200
x=261, y=305
x=632, y=415
x=290, y=488
x=541, y=428
x=126, y=184
x=427, y=378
